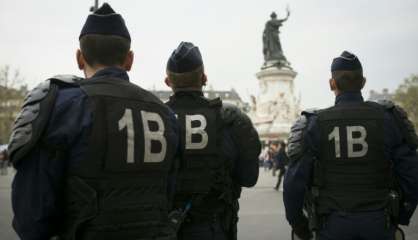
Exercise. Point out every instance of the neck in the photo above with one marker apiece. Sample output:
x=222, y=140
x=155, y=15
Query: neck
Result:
x=187, y=89
x=338, y=93
x=91, y=71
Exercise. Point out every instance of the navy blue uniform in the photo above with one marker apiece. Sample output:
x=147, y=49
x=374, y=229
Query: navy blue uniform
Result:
x=367, y=225
x=244, y=174
x=37, y=190
x=210, y=215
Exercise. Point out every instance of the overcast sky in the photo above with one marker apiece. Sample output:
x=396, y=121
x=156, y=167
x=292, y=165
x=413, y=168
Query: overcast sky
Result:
x=40, y=39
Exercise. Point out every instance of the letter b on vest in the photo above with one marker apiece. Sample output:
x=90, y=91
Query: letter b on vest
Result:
x=197, y=130
x=153, y=135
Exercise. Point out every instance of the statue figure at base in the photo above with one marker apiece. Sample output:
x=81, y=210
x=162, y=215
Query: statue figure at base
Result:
x=272, y=48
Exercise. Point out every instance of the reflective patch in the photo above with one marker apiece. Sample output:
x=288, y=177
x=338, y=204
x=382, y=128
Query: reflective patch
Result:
x=149, y=136
x=127, y=122
x=199, y=130
x=335, y=135
x=361, y=140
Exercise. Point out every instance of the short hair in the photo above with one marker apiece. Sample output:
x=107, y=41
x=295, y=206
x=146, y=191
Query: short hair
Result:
x=348, y=80
x=107, y=50
x=187, y=79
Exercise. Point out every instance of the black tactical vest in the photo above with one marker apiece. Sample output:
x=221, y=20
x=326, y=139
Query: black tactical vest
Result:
x=352, y=173
x=120, y=190
x=204, y=176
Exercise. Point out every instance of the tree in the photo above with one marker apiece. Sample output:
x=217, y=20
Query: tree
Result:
x=11, y=98
x=407, y=97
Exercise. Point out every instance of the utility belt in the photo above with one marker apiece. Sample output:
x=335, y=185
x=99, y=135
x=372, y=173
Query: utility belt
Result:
x=227, y=219
x=317, y=220
x=203, y=218
x=224, y=214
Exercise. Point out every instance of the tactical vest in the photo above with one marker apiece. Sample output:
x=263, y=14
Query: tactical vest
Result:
x=352, y=173
x=204, y=175
x=120, y=190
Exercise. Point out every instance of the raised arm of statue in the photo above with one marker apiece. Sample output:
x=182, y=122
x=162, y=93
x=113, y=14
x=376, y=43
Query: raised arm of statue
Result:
x=288, y=14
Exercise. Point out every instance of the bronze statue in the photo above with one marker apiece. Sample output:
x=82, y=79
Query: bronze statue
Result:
x=272, y=48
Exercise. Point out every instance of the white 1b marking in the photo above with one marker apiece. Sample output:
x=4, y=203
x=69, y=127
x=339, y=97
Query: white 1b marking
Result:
x=127, y=122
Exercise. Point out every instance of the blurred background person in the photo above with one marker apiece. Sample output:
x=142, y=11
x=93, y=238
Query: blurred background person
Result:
x=274, y=150
x=264, y=156
x=281, y=161
x=3, y=162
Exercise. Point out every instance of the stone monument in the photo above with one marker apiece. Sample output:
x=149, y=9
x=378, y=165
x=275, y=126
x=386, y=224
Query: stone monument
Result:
x=276, y=107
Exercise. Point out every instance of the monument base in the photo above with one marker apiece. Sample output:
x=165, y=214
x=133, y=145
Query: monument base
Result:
x=276, y=107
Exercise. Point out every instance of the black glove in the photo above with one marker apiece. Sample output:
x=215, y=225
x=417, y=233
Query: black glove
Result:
x=301, y=229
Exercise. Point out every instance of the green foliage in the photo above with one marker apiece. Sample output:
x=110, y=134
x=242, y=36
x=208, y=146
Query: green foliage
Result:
x=407, y=97
x=11, y=99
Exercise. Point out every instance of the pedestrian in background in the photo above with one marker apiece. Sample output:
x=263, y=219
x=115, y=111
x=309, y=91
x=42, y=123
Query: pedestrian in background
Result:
x=274, y=150
x=281, y=160
x=3, y=163
x=264, y=158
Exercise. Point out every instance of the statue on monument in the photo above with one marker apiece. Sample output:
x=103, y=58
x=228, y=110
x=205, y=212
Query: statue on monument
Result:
x=272, y=48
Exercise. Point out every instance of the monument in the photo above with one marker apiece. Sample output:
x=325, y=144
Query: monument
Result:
x=276, y=107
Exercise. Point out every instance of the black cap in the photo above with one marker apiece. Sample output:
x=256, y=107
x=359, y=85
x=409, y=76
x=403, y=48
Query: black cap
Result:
x=105, y=21
x=186, y=58
x=346, y=62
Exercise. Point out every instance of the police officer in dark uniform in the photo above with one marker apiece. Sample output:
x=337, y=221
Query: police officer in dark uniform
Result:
x=354, y=165
x=220, y=149
x=94, y=156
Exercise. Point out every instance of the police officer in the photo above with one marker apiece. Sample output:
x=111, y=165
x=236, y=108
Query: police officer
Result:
x=220, y=151
x=94, y=156
x=355, y=162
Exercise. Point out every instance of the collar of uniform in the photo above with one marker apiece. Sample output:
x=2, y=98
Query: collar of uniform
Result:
x=186, y=91
x=114, y=72
x=354, y=96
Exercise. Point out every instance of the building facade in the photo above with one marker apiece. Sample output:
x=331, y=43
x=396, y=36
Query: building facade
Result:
x=230, y=97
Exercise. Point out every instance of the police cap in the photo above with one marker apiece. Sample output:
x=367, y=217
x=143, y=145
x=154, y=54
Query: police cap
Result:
x=346, y=62
x=105, y=21
x=186, y=58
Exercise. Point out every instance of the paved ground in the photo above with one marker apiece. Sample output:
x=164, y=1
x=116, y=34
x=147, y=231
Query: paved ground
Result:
x=6, y=231
x=261, y=216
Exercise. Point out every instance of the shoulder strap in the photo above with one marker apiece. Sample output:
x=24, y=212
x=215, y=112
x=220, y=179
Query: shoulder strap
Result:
x=34, y=115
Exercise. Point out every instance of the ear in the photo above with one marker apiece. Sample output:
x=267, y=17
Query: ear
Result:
x=204, y=79
x=168, y=82
x=332, y=84
x=80, y=60
x=363, y=83
x=129, y=60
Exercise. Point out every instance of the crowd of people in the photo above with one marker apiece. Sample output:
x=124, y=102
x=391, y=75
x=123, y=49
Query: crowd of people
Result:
x=274, y=158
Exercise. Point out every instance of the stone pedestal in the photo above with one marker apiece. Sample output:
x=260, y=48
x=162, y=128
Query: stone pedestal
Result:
x=276, y=106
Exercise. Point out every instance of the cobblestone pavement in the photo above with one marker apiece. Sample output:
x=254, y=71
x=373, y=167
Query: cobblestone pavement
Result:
x=261, y=216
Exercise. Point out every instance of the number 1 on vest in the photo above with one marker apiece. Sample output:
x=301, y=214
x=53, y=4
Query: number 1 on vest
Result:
x=127, y=122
